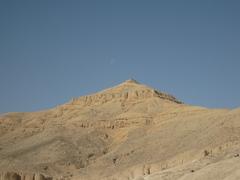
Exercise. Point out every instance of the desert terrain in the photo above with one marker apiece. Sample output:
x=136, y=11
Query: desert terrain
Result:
x=127, y=132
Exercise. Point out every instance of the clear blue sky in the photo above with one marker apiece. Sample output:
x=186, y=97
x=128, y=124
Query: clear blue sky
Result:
x=52, y=50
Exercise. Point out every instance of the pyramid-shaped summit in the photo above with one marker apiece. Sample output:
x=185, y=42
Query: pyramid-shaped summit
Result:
x=129, y=90
x=132, y=81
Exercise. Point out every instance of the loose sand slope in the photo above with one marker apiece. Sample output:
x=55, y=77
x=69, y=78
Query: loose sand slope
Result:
x=130, y=131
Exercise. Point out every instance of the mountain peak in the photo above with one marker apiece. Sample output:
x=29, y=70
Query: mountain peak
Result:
x=133, y=81
x=128, y=91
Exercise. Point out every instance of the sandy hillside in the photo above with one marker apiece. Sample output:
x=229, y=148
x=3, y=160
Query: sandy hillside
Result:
x=130, y=131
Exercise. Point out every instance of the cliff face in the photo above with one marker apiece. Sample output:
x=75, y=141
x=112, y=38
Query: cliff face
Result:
x=126, y=132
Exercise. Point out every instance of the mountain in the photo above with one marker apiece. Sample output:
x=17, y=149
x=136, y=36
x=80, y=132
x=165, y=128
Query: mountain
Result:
x=130, y=131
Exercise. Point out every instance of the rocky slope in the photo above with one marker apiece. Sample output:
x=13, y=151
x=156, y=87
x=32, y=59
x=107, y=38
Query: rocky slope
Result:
x=130, y=131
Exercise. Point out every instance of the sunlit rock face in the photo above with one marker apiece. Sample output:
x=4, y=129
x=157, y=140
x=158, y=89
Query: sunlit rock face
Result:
x=129, y=90
x=129, y=131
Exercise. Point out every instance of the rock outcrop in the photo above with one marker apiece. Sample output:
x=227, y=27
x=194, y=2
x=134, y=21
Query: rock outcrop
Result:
x=22, y=176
